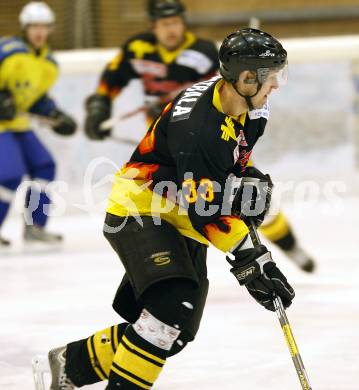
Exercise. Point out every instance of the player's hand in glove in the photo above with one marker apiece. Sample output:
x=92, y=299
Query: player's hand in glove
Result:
x=98, y=110
x=63, y=123
x=7, y=105
x=253, y=197
x=255, y=269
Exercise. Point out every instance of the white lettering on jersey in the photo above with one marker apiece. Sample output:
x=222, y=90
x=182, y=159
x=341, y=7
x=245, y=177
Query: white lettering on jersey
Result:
x=178, y=110
x=189, y=98
x=149, y=67
x=195, y=60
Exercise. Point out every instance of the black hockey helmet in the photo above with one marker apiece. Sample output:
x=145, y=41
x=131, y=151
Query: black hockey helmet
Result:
x=158, y=9
x=250, y=49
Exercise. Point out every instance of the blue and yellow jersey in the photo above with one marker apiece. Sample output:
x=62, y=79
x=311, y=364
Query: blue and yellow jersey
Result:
x=28, y=75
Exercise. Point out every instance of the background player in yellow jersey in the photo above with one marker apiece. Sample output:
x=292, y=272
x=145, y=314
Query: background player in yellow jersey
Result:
x=167, y=59
x=27, y=72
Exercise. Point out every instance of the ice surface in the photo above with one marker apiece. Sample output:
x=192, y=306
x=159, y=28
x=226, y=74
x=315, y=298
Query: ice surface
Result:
x=48, y=299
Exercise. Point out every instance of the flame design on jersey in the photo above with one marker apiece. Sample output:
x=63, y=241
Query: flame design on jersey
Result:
x=147, y=145
x=139, y=171
x=225, y=232
x=104, y=89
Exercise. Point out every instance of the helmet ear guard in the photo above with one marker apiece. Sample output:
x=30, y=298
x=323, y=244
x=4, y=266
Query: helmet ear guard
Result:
x=250, y=80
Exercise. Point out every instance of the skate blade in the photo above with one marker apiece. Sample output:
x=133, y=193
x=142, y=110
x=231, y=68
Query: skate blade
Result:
x=36, y=247
x=40, y=367
x=6, y=250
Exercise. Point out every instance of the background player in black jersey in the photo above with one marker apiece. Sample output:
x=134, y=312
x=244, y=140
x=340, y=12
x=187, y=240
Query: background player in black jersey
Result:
x=168, y=59
x=170, y=201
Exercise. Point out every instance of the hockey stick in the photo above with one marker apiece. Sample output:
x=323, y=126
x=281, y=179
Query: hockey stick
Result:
x=109, y=123
x=124, y=141
x=286, y=328
x=104, y=126
x=43, y=120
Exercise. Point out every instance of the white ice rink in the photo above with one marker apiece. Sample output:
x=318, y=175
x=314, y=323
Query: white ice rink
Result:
x=49, y=299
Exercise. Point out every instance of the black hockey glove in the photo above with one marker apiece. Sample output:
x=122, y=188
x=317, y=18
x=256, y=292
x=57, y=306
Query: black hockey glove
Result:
x=7, y=106
x=255, y=269
x=63, y=123
x=98, y=109
x=253, y=197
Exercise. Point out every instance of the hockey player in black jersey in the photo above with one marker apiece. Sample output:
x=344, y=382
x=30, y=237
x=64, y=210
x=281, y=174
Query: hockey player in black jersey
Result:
x=167, y=59
x=174, y=197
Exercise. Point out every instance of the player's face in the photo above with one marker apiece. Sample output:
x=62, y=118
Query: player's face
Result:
x=268, y=86
x=248, y=86
x=170, y=31
x=38, y=34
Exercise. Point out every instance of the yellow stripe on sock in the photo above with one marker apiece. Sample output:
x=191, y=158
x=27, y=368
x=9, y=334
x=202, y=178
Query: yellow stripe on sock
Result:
x=277, y=229
x=103, y=349
x=93, y=360
x=130, y=379
x=142, y=351
x=136, y=365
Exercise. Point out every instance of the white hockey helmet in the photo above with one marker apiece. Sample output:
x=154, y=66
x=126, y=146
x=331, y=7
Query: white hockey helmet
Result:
x=36, y=12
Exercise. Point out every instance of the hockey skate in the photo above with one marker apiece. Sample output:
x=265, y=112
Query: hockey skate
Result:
x=57, y=361
x=5, y=246
x=301, y=259
x=54, y=365
x=38, y=235
x=4, y=243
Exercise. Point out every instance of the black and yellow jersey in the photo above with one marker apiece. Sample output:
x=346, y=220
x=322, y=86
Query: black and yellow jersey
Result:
x=28, y=75
x=164, y=73
x=180, y=171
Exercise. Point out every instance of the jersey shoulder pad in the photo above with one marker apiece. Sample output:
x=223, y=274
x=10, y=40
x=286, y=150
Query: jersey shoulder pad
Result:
x=10, y=46
x=145, y=37
x=206, y=47
x=202, y=56
x=141, y=44
x=189, y=98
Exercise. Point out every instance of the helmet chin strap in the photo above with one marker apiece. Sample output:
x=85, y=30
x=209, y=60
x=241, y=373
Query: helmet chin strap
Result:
x=248, y=98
